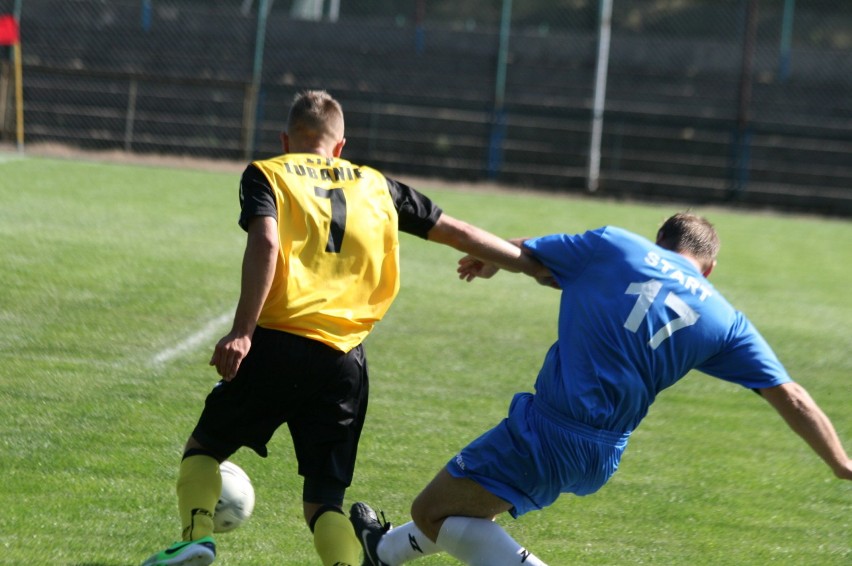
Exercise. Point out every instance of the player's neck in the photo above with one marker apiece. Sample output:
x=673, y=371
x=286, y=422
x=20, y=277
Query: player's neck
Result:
x=323, y=152
x=698, y=265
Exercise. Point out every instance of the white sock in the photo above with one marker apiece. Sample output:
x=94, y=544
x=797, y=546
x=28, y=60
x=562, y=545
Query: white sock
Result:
x=405, y=543
x=480, y=542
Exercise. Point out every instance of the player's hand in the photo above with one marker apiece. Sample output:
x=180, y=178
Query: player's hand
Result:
x=229, y=354
x=470, y=268
x=844, y=471
x=548, y=281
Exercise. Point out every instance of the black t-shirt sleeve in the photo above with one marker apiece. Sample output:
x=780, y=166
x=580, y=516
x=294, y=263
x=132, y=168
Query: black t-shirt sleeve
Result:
x=417, y=214
x=256, y=196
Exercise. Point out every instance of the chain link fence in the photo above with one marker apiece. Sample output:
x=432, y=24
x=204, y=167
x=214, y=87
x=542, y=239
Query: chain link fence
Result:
x=702, y=100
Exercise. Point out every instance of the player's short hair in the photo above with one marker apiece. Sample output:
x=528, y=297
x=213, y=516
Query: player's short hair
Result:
x=315, y=114
x=692, y=234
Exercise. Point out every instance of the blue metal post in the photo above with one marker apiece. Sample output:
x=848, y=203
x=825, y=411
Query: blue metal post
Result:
x=419, y=29
x=147, y=14
x=498, y=117
x=785, y=57
x=742, y=133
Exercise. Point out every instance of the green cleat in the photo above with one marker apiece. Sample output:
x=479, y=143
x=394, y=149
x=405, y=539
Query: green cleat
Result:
x=200, y=552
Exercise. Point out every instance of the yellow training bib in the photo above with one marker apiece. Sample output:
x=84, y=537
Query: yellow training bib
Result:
x=338, y=264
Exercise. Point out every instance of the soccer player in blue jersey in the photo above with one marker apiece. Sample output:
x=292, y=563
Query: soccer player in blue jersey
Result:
x=635, y=317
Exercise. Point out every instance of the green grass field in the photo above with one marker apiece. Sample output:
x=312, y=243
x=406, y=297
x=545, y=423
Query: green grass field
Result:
x=117, y=280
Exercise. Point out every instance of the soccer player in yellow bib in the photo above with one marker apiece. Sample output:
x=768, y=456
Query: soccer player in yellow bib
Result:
x=320, y=269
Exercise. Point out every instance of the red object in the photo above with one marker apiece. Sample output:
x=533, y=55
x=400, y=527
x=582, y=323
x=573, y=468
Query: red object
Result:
x=8, y=30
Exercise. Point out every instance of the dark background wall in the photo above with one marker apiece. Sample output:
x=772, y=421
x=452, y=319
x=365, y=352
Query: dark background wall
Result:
x=421, y=91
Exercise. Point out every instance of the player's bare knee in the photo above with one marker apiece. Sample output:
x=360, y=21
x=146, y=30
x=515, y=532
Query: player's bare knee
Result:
x=423, y=515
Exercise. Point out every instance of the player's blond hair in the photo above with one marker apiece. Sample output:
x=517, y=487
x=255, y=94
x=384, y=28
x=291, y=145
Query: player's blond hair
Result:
x=689, y=233
x=315, y=115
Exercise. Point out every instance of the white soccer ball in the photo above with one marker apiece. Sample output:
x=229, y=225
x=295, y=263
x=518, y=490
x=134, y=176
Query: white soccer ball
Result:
x=237, y=500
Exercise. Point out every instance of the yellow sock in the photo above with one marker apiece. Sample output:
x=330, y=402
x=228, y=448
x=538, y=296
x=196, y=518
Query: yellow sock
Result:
x=198, y=488
x=335, y=540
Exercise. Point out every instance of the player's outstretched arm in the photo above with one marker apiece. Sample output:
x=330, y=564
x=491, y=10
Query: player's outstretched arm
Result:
x=804, y=416
x=485, y=246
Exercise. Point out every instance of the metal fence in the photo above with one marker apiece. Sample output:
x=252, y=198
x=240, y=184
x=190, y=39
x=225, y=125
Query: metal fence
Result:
x=702, y=100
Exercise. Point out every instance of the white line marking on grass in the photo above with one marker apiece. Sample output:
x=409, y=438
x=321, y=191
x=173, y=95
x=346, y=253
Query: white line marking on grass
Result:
x=10, y=157
x=191, y=342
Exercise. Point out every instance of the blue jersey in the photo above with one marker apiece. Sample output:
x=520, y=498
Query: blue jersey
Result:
x=635, y=318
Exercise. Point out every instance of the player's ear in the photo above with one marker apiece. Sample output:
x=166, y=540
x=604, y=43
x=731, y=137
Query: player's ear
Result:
x=338, y=147
x=285, y=142
x=709, y=269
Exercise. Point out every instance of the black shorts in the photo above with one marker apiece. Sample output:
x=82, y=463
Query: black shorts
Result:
x=321, y=393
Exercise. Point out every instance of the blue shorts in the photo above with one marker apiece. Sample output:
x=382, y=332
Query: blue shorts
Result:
x=535, y=454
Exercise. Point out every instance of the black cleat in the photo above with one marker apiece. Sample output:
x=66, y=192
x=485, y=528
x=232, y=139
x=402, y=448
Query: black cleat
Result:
x=369, y=530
